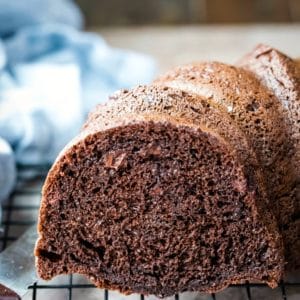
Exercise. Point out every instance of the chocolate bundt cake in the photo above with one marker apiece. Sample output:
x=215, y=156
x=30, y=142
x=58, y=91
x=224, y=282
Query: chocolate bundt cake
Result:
x=184, y=185
x=268, y=115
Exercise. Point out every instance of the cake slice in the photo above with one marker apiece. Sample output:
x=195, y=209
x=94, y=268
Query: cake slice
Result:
x=156, y=196
x=259, y=112
x=281, y=74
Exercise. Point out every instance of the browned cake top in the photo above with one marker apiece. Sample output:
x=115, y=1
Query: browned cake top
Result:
x=125, y=105
x=253, y=107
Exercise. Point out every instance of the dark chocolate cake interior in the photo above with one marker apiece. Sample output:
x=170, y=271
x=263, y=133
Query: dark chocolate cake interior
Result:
x=154, y=207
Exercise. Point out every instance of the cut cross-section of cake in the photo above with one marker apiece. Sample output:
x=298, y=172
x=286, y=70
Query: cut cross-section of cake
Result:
x=159, y=194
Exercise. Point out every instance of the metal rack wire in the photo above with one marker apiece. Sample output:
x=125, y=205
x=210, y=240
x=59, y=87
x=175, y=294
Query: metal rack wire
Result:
x=29, y=186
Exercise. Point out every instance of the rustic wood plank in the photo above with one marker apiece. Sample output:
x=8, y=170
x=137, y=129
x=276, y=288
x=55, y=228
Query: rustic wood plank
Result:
x=230, y=11
x=248, y=11
x=272, y=11
x=294, y=9
x=120, y=12
x=197, y=11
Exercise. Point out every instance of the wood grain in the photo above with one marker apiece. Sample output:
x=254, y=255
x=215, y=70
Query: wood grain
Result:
x=120, y=12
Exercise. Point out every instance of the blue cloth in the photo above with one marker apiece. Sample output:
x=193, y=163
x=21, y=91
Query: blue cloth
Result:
x=16, y=14
x=51, y=75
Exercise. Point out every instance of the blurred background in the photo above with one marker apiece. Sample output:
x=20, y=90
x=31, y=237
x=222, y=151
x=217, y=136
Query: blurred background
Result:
x=141, y=12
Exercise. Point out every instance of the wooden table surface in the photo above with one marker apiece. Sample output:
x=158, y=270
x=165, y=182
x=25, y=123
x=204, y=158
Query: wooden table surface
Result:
x=182, y=44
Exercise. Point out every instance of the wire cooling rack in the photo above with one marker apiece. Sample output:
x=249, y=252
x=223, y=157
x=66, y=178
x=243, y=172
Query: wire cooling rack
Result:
x=20, y=211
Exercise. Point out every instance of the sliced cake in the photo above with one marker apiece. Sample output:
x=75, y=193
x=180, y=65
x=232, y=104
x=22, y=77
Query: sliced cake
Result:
x=159, y=194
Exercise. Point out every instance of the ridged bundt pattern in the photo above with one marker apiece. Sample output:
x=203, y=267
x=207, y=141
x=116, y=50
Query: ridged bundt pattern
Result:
x=187, y=184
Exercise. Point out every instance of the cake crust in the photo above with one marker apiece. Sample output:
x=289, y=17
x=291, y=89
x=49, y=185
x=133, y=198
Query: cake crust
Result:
x=152, y=197
x=281, y=74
